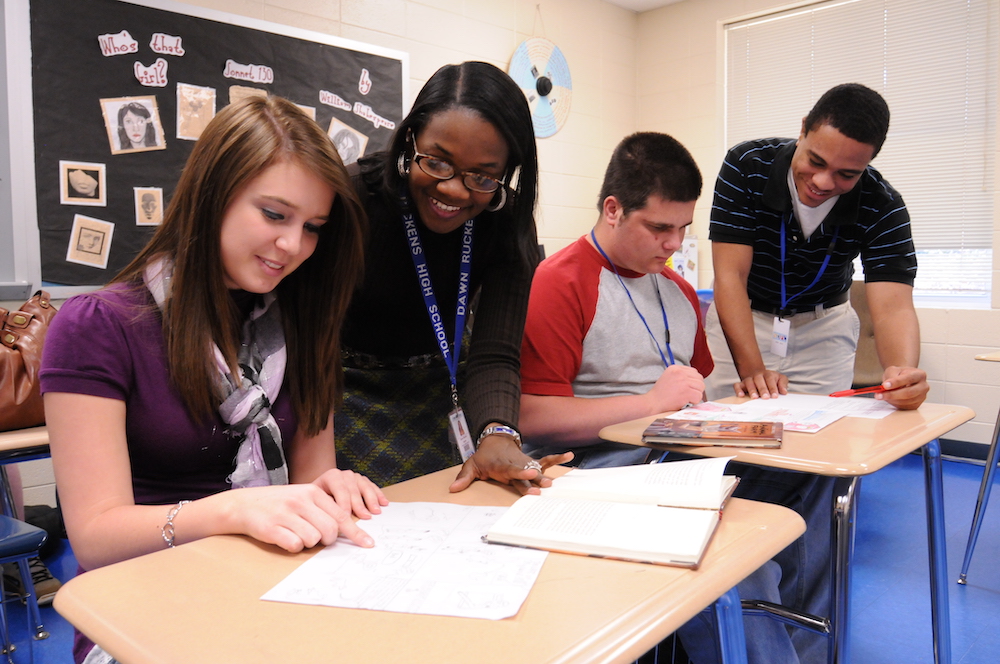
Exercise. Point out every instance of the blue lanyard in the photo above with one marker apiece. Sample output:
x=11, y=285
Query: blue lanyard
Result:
x=663, y=309
x=452, y=350
x=822, y=268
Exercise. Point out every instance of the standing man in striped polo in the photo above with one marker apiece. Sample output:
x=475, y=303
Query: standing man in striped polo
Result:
x=788, y=218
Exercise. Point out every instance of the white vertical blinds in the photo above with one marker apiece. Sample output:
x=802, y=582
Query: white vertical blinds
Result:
x=935, y=62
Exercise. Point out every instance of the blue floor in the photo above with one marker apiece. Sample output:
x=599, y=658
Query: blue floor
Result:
x=891, y=611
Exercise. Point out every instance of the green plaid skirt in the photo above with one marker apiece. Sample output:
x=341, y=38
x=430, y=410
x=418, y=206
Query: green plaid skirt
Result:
x=393, y=425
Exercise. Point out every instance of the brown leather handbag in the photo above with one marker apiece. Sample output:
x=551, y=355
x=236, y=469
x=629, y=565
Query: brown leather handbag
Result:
x=22, y=334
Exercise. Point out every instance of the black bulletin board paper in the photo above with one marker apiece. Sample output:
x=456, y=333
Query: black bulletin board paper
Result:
x=71, y=75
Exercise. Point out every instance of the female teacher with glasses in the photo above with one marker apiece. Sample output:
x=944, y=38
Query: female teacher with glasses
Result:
x=431, y=342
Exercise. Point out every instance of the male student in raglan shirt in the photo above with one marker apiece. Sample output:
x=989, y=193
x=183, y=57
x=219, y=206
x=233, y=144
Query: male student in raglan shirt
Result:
x=613, y=335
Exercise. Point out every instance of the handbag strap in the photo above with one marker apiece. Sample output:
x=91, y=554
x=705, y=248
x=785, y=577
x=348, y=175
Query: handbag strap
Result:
x=12, y=321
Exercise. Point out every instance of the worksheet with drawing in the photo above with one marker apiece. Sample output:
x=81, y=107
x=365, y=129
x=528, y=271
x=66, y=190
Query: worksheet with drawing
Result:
x=428, y=558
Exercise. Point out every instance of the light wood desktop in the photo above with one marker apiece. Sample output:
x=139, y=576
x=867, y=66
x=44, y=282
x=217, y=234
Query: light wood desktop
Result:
x=849, y=449
x=200, y=602
x=24, y=444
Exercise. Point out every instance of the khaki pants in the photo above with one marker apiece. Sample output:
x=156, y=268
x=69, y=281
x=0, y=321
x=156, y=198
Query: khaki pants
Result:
x=820, y=359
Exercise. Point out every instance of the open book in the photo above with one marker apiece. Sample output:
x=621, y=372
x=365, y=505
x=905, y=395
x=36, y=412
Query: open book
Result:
x=713, y=432
x=663, y=513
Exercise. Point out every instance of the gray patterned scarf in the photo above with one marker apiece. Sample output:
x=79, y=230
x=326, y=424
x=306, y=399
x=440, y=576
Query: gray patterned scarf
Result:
x=247, y=397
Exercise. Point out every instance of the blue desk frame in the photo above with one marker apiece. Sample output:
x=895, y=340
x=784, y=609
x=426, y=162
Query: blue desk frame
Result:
x=845, y=509
x=989, y=472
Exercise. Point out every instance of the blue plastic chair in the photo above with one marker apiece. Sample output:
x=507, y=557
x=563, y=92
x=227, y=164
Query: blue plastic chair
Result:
x=20, y=541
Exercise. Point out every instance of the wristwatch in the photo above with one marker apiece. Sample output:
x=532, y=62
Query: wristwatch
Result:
x=502, y=431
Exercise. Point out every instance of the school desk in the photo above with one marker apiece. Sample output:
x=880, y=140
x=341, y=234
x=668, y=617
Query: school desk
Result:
x=22, y=445
x=992, y=456
x=849, y=449
x=199, y=602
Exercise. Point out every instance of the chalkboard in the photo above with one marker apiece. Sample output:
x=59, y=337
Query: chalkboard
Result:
x=120, y=91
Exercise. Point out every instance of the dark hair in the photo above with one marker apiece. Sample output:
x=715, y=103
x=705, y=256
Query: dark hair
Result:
x=650, y=164
x=491, y=94
x=855, y=111
x=242, y=141
x=149, y=140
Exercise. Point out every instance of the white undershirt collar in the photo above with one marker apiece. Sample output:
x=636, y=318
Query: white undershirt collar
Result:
x=809, y=218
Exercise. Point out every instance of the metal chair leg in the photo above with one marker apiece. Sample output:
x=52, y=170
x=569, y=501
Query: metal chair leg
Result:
x=729, y=618
x=7, y=496
x=31, y=600
x=6, y=645
x=845, y=511
x=984, y=497
x=934, y=489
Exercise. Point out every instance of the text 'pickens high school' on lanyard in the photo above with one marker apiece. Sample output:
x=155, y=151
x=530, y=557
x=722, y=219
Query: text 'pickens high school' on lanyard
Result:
x=450, y=351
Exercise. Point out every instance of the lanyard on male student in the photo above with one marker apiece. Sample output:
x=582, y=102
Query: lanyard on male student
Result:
x=663, y=309
x=450, y=352
x=781, y=328
x=822, y=268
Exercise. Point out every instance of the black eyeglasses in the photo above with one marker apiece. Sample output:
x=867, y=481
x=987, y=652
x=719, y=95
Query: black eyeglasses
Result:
x=444, y=170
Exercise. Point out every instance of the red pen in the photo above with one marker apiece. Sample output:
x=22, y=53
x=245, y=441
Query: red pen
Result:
x=863, y=390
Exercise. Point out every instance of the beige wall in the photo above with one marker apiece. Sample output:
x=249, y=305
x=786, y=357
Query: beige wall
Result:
x=597, y=38
x=655, y=71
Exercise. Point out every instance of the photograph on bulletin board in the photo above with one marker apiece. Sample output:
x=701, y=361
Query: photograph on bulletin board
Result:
x=121, y=91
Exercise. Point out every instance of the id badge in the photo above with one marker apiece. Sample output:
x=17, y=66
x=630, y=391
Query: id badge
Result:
x=779, y=336
x=458, y=433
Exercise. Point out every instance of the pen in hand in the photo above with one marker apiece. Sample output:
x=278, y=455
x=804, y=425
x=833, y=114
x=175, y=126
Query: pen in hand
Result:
x=864, y=390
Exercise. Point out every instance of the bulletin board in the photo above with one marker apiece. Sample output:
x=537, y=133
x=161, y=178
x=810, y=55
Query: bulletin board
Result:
x=121, y=90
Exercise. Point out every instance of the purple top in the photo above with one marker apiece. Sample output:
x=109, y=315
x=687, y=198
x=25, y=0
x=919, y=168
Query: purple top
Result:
x=110, y=344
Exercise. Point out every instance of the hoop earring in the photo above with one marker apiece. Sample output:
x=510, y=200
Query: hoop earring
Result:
x=495, y=207
x=402, y=167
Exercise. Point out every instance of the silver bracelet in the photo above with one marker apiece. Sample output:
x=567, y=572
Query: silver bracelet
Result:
x=502, y=431
x=168, y=528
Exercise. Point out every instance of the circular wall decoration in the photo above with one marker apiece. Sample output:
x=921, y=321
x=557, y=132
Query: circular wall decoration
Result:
x=540, y=70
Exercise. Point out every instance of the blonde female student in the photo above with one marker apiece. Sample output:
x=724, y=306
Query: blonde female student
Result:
x=212, y=361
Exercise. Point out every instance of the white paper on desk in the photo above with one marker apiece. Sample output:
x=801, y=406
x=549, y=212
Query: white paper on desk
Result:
x=793, y=418
x=804, y=413
x=866, y=407
x=428, y=558
x=842, y=406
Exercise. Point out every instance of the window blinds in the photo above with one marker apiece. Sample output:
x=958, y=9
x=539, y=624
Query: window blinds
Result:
x=935, y=62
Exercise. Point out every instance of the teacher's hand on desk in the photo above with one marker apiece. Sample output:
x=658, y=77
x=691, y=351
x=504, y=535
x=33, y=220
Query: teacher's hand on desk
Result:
x=500, y=458
x=763, y=384
x=906, y=387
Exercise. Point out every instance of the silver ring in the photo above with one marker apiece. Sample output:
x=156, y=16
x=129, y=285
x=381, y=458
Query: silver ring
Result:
x=533, y=465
